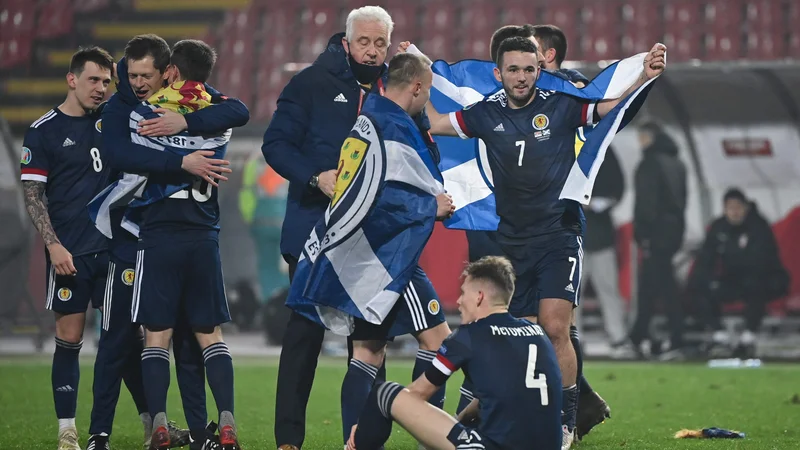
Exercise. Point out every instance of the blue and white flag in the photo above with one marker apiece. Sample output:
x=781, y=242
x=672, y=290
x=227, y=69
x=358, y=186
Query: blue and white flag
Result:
x=464, y=164
x=133, y=190
x=360, y=257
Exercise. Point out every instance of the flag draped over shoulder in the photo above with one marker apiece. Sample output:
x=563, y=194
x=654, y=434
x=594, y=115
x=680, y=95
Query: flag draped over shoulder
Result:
x=133, y=190
x=362, y=254
x=464, y=164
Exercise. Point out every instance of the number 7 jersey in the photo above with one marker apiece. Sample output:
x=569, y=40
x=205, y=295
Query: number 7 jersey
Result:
x=63, y=152
x=530, y=152
x=515, y=376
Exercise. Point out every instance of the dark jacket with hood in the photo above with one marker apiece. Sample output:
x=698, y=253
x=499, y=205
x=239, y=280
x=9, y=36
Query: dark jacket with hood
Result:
x=745, y=255
x=660, y=189
x=315, y=113
x=124, y=156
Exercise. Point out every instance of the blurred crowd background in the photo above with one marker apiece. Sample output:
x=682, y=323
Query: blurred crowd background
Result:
x=727, y=113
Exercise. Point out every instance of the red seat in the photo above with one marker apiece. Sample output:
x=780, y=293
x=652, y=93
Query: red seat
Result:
x=683, y=35
x=767, y=27
x=600, y=21
x=723, y=24
x=642, y=26
x=405, y=16
x=281, y=19
x=55, y=19
x=15, y=51
x=518, y=13
x=17, y=18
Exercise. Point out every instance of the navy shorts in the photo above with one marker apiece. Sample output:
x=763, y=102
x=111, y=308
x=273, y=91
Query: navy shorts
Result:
x=67, y=294
x=418, y=309
x=546, y=268
x=469, y=438
x=118, y=295
x=181, y=282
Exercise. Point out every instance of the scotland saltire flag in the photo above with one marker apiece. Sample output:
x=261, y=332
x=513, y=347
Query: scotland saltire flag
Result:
x=464, y=164
x=133, y=190
x=360, y=257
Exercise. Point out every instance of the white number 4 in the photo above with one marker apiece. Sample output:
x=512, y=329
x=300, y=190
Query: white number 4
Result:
x=536, y=382
x=521, y=145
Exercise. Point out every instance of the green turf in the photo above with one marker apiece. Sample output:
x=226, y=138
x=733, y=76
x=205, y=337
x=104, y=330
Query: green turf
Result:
x=649, y=403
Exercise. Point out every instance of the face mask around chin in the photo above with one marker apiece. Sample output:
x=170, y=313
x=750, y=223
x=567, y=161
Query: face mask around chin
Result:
x=364, y=73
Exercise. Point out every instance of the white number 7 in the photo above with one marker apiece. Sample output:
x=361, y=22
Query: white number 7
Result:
x=521, y=145
x=531, y=380
x=573, y=261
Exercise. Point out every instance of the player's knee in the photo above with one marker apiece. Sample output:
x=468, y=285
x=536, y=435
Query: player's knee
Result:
x=69, y=327
x=370, y=352
x=157, y=336
x=432, y=338
x=207, y=335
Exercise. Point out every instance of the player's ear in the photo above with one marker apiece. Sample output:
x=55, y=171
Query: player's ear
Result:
x=72, y=80
x=497, y=74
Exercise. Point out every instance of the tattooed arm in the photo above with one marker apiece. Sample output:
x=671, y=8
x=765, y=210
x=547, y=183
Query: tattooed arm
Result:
x=60, y=257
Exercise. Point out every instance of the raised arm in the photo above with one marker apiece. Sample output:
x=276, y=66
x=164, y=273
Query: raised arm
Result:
x=654, y=64
x=440, y=123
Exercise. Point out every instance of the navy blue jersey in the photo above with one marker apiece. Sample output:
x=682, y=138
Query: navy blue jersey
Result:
x=514, y=372
x=530, y=152
x=189, y=214
x=63, y=152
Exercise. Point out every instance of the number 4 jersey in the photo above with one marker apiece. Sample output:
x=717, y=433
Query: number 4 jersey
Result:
x=63, y=152
x=513, y=369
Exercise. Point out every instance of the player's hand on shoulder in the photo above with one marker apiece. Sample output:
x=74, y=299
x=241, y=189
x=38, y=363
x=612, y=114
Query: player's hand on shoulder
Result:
x=61, y=259
x=446, y=207
x=168, y=124
x=351, y=442
x=327, y=182
x=403, y=46
x=656, y=61
x=201, y=164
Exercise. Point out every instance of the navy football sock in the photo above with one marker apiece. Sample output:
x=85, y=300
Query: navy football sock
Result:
x=375, y=423
x=356, y=387
x=132, y=375
x=466, y=396
x=191, y=375
x=583, y=385
x=155, y=373
x=423, y=361
x=219, y=373
x=65, y=377
x=570, y=404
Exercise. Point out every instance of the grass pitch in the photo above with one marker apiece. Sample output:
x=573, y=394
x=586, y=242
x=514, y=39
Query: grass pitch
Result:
x=649, y=403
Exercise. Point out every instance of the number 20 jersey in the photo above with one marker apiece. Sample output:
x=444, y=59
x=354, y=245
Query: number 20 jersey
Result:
x=515, y=376
x=63, y=152
x=191, y=214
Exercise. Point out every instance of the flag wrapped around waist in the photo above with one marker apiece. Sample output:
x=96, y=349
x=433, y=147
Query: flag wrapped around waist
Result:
x=134, y=190
x=464, y=164
x=362, y=254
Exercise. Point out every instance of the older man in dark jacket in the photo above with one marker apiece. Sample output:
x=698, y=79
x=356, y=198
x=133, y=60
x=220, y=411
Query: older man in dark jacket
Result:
x=739, y=260
x=316, y=111
x=658, y=227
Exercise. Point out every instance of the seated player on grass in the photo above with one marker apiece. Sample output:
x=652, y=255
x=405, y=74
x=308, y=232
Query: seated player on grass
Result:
x=512, y=366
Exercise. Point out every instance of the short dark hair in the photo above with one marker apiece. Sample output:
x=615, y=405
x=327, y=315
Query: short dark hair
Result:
x=194, y=59
x=515, y=44
x=151, y=45
x=734, y=194
x=550, y=36
x=503, y=33
x=496, y=270
x=93, y=54
x=405, y=68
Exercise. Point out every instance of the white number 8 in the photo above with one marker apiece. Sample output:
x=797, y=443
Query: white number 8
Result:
x=536, y=382
x=97, y=163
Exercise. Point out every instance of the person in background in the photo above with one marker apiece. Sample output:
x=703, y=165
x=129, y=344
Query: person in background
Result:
x=600, y=261
x=658, y=227
x=739, y=260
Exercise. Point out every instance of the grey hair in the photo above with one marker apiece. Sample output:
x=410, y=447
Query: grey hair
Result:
x=404, y=68
x=368, y=14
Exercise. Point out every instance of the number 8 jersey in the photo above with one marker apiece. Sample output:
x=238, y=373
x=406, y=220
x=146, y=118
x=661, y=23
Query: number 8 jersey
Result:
x=63, y=152
x=513, y=369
